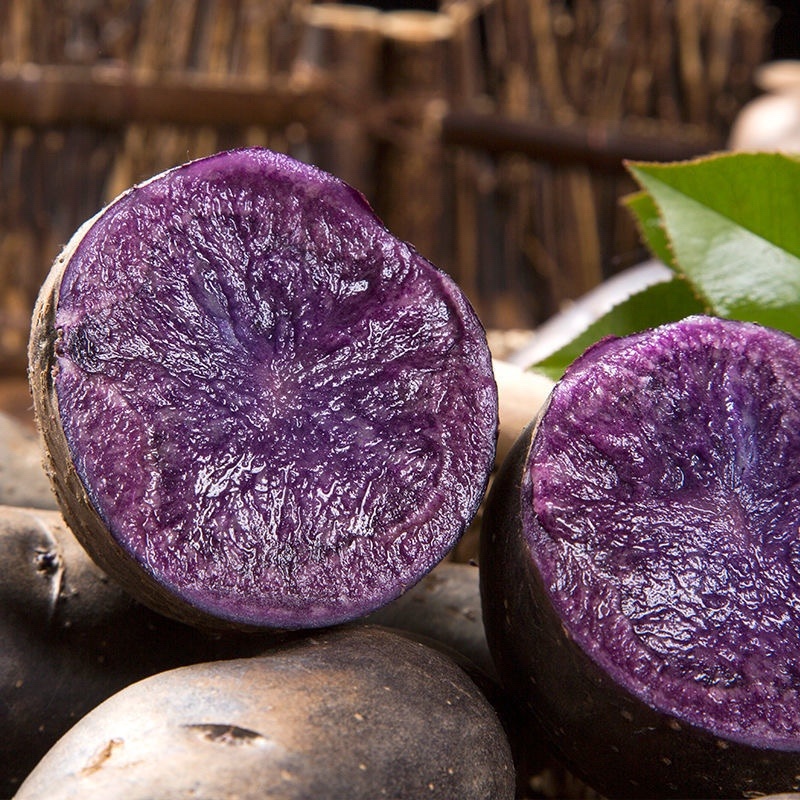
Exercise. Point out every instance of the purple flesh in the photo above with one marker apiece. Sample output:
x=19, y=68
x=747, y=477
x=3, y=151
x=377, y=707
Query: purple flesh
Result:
x=665, y=484
x=284, y=414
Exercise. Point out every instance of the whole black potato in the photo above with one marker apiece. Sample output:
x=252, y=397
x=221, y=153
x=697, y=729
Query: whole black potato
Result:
x=353, y=713
x=445, y=607
x=70, y=638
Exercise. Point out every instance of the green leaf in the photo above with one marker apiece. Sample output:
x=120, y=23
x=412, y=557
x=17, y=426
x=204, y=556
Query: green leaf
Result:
x=656, y=304
x=651, y=228
x=732, y=227
x=728, y=226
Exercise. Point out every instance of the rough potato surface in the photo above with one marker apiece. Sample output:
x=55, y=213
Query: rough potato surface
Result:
x=663, y=516
x=282, y=413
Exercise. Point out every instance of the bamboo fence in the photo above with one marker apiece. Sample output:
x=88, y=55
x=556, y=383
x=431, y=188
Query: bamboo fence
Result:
x=489, y=133
x=576, y=86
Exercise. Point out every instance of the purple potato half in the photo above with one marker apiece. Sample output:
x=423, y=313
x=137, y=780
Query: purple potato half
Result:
x=640, y=567
x=357, y=712
x=261, y=409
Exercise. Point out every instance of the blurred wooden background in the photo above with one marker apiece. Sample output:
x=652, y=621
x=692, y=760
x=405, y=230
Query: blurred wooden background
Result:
x=489, y=133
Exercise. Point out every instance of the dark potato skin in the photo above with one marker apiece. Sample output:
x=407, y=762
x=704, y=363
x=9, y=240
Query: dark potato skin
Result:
x=615, y=742
x=71, y=638
x=444, y=611
x=357, y=712
x=445, y=607
x=23, y=481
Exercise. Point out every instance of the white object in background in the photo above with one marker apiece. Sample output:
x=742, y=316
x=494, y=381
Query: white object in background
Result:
x=771, y=121
x=573, y=320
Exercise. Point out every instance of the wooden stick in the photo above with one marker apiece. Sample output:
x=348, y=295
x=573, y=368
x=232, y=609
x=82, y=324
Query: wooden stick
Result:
x=14, y=33
x=601, y=147
x=665, y=101
x=687, y=15
x=547, y=62
x=640, y=84
x=415, y=46
x=466, y=244
x=46, y=96
x=148, y=60
x=253, y=55
x=341, y=46
x=467, y=80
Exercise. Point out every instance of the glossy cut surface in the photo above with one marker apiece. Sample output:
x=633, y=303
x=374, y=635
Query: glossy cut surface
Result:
x=282, y=412
x=662, y=513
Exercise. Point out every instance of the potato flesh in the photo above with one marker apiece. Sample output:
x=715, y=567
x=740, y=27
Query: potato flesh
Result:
x=663, y=517
x=280, y=411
